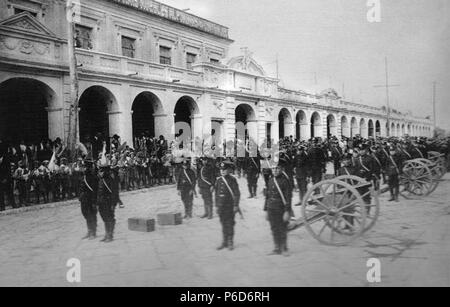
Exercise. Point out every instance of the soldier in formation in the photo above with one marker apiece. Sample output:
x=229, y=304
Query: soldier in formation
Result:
x=227, y=199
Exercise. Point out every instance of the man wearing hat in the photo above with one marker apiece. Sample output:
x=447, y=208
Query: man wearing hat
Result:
x=301, y=171
x=393, y=170
x=252, y=167
x=278, y=208
x=228, y=197
x=206, y=181
x=105, y=201
x=88, y=187
x=186, y=187
x=316, y=161
x=365, y=167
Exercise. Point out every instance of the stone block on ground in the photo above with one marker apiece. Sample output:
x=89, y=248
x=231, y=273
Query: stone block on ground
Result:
x=169, y=219
x=141, y=224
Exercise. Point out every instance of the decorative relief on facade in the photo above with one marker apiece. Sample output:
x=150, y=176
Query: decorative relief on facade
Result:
x=219, y=105
x=24, y=25
x=24, y=46
x=269, y=110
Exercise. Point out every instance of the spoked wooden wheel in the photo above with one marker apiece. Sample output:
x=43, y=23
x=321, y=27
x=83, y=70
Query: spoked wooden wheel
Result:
x=435, y=171
x=365, y=189
x=334, y=213
x=440, y=161
x=417, y=180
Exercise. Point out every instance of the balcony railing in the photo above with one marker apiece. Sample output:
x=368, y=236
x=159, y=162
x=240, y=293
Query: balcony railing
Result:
x=109, y=63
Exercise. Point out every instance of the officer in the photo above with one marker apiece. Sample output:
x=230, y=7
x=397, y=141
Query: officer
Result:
x=378, y=166
x=228, y=196
x=206, y=181
x=365, y=168
x=301, y=171
x=252, y=170
x=88, y=187
x=393, y=171
x=105, y=201
x=186, y=188
x=316, y=161
x=278, y=208
x=336, y=155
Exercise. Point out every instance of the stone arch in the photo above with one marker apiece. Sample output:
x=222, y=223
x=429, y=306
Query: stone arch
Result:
x=345, y=126
x=145, y=107
x=97, y=105
x=377, y=128
x=187, y=118
x=354, y=127
x=332, y=126
x=371, y=131
x=301, y=126
x=285, y=123
x=398, y=131
x=363, y=128
x=25, y=108
x=246, y=122
x=316, y=125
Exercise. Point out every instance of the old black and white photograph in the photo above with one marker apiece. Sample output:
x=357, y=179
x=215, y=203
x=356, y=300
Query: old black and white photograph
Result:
x=203, y=144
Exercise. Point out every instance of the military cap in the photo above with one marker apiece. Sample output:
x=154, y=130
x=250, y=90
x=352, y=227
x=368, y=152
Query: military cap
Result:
x=226, y=165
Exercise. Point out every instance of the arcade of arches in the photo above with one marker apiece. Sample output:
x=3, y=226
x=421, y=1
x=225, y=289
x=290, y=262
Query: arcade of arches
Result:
x=33, y=115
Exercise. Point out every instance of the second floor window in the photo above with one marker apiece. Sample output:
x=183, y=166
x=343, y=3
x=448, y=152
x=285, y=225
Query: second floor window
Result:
x=190, y=59
x=165, y=55
x=83, y=37
x=128, y=47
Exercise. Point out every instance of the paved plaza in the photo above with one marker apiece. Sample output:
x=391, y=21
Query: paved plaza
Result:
x=411, y=239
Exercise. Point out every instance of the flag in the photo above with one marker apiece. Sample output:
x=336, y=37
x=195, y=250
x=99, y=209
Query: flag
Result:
x=52, y=164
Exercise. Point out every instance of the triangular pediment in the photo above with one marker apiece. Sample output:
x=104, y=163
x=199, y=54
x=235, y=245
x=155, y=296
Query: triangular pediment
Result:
x=246, y=63
x=26, y=22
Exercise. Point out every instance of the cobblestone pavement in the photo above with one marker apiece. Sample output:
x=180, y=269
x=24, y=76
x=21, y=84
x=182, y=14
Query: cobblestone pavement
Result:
x=411, y=239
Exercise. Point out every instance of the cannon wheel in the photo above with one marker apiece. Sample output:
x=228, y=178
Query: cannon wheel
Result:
x=417, y=180
x=373, y=209
x=441, y=162
x=336, y=215
x=435, y=171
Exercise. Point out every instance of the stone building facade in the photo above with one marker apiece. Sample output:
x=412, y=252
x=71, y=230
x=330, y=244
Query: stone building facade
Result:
x=142, y=66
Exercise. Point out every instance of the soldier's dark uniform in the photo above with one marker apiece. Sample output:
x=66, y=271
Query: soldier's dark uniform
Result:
x=206, y=181
x=186, y=186
x=393, y=170
x=252, y=170
x=278, y=203
x=5, y=181
x=227, y=203
x=88, y=187
x=105, y=202
x=316, y=161
x=301, y=172
x=378, y=166
x=336, y=155
x=365, y=168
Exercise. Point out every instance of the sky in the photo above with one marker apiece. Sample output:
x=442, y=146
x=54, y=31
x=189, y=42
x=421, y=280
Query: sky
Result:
x=330, y=43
